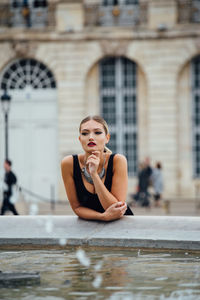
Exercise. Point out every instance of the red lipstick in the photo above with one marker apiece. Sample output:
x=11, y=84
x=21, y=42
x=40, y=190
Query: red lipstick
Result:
x=91, y=144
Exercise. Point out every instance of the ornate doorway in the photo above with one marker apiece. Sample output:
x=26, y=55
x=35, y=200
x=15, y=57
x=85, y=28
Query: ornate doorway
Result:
x=32, y=124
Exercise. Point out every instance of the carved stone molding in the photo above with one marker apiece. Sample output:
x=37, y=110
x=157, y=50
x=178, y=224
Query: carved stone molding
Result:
x=114, y=48
x=198, y=44
x=24, y=49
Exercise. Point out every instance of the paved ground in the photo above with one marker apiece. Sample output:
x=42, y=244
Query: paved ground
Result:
x=175, y=207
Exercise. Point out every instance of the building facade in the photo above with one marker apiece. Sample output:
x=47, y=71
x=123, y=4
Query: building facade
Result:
x=137, y=63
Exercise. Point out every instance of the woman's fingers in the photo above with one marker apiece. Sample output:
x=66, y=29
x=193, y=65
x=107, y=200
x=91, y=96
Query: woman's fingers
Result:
x=115, y=211
x=92, y=159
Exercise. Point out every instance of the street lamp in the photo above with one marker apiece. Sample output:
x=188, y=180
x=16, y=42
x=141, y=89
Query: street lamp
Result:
x=5, y=101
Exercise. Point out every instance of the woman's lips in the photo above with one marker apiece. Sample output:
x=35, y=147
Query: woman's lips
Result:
x=91, y=144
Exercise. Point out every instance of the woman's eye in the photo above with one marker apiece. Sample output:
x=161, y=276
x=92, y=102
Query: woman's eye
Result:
x=98, y=132
x=84, y=133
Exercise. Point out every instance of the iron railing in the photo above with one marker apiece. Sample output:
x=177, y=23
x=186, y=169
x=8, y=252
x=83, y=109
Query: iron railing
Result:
x=31, y=18
x=118, y=15
x=95, y=14
x=188, y=11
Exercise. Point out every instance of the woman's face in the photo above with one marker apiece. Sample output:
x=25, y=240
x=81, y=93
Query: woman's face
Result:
x=93, y=136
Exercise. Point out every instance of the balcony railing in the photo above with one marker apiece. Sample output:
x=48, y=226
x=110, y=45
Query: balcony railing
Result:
x=27, y=17
x=188, y=11
x=120, y=15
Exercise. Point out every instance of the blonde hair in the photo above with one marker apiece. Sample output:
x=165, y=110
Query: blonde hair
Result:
x=100, y=120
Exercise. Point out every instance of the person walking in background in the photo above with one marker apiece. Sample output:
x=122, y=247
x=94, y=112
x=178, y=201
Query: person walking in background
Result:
x=157, y=183
x=144, y=179
x=9, y=180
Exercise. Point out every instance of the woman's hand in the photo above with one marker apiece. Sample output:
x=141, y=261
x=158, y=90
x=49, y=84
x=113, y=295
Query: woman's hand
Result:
x=93, y=162
x=115, y=211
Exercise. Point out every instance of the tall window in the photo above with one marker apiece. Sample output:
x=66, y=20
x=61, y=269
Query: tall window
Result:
x=119, y=106
x=196, y=115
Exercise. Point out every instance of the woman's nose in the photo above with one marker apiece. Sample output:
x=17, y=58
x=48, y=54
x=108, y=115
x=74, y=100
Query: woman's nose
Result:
x=91, y=136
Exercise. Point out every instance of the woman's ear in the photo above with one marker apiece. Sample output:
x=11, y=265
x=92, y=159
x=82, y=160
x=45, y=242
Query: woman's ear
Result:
x=107, y=138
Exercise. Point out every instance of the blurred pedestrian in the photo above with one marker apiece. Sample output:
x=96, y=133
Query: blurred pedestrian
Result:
x=10, y=179
x=144, y=180
x=144, y=177
x=157, y=183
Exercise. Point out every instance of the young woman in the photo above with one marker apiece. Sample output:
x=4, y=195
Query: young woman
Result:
x=96, y=181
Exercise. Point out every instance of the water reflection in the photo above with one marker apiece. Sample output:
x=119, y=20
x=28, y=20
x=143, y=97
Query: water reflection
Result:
x=111, y=274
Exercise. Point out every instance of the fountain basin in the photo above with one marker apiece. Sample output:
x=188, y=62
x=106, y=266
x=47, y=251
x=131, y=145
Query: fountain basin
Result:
x=157, y=232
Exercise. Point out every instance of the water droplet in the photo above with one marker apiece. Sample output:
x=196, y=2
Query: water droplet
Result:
x=97, y=281
x=82, y=257
x=98, y=266
x=62, y=242
x=49, y=226
x=33, y=210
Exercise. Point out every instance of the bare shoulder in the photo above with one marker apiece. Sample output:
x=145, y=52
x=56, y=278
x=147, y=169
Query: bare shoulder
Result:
x=67, y=163
x=119, y=160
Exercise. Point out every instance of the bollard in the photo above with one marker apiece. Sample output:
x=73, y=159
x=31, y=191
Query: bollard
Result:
x=52, y=196
x=166, y=206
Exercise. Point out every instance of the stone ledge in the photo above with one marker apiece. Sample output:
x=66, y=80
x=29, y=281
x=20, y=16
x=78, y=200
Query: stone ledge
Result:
x=158, y=232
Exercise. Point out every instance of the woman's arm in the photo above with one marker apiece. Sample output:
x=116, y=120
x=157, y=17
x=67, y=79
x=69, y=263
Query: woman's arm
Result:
x=114, y=212
x=119, y=183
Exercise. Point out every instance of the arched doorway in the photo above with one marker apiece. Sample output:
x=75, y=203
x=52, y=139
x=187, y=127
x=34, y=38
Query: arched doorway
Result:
x=32, y=124
x=118, y=105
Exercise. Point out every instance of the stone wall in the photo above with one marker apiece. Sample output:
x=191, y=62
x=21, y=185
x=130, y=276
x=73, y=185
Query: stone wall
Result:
x=163, y=56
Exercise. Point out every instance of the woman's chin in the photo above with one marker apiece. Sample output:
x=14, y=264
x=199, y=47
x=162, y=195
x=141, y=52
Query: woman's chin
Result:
x=94, y=149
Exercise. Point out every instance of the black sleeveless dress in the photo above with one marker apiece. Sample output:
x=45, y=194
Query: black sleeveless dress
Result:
x=86, y=198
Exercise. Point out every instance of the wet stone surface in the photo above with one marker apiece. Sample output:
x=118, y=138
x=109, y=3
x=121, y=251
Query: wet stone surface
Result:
x=15, y=279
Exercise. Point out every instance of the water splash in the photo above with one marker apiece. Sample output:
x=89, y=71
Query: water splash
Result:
x=49, y=226
x=83, y=258
x=98, y=266
x=62, y=242
x=161, y=278
x=123, y=296
x=33, y=210
x=181, y=295
x=97, y=281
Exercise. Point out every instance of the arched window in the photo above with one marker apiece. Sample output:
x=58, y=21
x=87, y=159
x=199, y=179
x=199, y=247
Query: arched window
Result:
x=196, y=115
x=27, y=72
x=118, y=82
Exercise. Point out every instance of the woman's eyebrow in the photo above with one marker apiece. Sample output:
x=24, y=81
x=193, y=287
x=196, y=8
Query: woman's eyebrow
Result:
x=84, y=129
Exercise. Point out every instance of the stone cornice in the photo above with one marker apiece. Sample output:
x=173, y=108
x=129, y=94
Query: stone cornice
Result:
x=98, y=34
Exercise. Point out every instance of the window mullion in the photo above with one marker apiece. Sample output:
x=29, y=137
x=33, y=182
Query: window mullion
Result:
x=119, y=108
